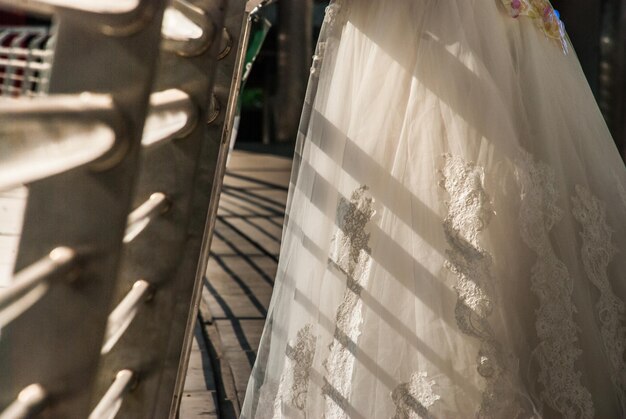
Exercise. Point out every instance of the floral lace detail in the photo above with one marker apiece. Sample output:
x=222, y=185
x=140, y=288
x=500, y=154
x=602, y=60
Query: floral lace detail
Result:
x=334, y=16
x=543, y=14
x=331, y=14
x=597, y=253
x=294, y=381
x=557, y=351
x=469, y=212
x=413, y=399
x=316, y=63
x=350, y=253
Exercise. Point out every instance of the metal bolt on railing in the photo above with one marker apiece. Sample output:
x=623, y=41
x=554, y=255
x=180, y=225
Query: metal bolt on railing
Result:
x=31, y=283
x=187, y=29
x=172, y=114
x=226, y=44
x=215, y=108
x=28, y=402
x=122, y=316
x=178, y=27
x=111, y=402
x=141, y=217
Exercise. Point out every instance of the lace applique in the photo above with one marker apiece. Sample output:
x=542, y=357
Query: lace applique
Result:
x=543, y=14
x=469, y=212
x=413, y=399
x=350, y=253
x=335, y=14
x=294, y=381
x=333, y=17
x=331, y=14
x=557, y=351
x=597, y=253
x=316, y=63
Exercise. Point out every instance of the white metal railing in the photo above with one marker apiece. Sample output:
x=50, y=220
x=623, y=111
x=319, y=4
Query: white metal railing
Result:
x=140, y=218
x=87, y=160
x=172, y=114
x=52, y=134
x=111, y=402
x=187, y=29
x=30, y=284
x=28, y=402
x=182, y=170
x=93, y=6
x=122, y=316
x=77, y=153
x=25, y=60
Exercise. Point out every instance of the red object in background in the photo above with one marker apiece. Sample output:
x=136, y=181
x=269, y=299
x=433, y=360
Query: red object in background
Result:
x=9, y=19
x=23, y=54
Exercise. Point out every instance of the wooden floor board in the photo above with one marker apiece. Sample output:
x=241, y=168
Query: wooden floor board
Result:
x=238, y=283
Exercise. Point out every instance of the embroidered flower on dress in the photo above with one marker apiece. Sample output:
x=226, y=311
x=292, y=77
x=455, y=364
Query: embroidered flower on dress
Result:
x=558, y=348
x=597, y=252
x=469, y=213
x=294, y=381
x=331, y=13
x=413, y=399
x=350, y=255
x=543, y=14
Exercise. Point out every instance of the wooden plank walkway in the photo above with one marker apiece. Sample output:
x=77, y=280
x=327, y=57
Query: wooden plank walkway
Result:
x=238, y=284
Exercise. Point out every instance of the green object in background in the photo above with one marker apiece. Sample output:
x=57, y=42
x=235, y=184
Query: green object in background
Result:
x=251, y=98
x=259, y=28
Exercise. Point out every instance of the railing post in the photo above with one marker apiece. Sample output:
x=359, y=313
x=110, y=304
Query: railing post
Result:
x=180, y=160
x=80, y=332
x=55, y=344
x=212, y=167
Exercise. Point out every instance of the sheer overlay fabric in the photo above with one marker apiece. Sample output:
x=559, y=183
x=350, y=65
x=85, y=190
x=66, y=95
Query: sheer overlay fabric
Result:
x=456, y=225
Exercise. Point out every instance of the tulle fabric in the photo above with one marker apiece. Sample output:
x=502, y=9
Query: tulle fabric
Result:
x=458, y=153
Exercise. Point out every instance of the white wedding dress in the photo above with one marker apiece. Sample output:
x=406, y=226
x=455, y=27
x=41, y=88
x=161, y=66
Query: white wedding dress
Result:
x=455, y=245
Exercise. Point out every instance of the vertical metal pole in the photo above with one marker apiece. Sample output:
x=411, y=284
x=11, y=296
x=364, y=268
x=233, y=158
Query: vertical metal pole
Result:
x=56, y=343
x=212, y=165
x=166, y=254
x=295, y=45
